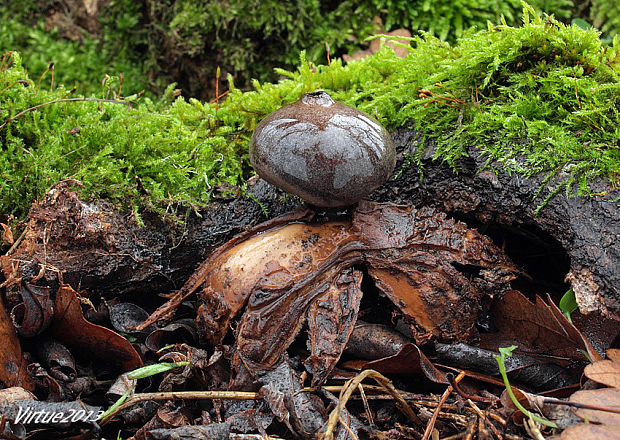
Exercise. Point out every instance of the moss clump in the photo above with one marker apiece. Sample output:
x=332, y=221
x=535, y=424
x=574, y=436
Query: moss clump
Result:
x=79, y=63
x=540, y=98
x=158, y=155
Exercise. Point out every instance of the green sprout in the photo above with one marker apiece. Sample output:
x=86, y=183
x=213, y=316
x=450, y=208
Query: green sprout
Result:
x=507, y=351
x=568, y=304
x=141, y=373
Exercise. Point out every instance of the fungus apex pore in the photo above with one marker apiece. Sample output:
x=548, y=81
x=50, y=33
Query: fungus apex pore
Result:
x=325, y=152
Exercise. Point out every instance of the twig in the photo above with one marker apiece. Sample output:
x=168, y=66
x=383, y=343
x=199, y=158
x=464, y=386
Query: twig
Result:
x=444, y=397
x=554, y=401
x=485, y=416
x=351, y=385
x=347, y=428
x=28, y=110
x=371, y=421
x=217, y=98
x=19, y=81
x=469, y=434
x=16, y=242
x=177, y=395
x=455, y=386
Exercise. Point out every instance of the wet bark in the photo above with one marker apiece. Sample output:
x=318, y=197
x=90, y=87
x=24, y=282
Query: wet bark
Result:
x=576, y=238
x=108, y=253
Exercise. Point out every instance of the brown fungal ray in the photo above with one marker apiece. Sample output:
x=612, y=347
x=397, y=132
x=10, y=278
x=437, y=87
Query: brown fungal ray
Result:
x=274, y=315
x=434, y=269
x=206, y=268
x=331, y=319
x=274, y=267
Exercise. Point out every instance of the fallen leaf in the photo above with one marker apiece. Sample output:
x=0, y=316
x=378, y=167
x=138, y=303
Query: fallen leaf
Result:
x=35, y=313
x=536, y=328
x=604, y=398
x=13, y=371
x=599, y=424
x=606, y=372
x=7, y=235
x=74, y=330
x=58, y=359
x=589, y=431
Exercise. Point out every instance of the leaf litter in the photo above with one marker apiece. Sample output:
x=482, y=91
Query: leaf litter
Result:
x=283, y=348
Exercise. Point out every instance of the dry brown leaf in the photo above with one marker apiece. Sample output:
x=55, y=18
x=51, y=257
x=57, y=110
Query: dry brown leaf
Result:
x=7, y=235
x=603, y=398
x=74, y=330
x=599, y=424
x=535, y=327
x=606, y=372
x=614, y=354
x=13, y=370
x=589, y=431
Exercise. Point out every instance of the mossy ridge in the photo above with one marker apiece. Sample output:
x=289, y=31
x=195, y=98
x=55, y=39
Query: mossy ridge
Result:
x=540, y=98
x=160, y=155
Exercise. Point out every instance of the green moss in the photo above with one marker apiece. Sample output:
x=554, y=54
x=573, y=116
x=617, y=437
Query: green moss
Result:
x=187, y=40
x=81, y=64
x=605, y=15
x=158, y=155
x=540, y=98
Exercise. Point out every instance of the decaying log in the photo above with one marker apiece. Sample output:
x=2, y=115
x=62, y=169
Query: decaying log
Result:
x=108, y=253
x=582, y=231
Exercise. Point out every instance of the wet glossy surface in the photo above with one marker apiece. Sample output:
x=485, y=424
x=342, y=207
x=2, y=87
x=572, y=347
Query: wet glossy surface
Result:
x=434, y=269
x=327, y=153
x=270, y=263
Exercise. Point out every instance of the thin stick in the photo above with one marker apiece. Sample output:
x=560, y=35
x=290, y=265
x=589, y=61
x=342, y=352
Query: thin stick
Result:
x=351, y=385
x=28, y=110
x=456, y=387
x=554, y=401
x=371, y=420
x=484, y=417
x=444, y=397
x=177, y=395
x=348, y=429
x=217, y=98
x=469, y=434
x=19, y=81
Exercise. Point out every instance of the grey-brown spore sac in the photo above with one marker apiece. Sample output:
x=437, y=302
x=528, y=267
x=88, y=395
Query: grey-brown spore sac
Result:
x=325, y=152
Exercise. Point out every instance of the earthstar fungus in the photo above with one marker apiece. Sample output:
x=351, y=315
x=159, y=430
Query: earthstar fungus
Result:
x=327, y=153
x=292, y=270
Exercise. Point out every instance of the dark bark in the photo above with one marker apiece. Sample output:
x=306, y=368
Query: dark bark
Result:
x=108, y=253
x=576, y=238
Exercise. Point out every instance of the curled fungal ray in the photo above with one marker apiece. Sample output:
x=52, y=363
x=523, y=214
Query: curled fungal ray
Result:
x=434, y=269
